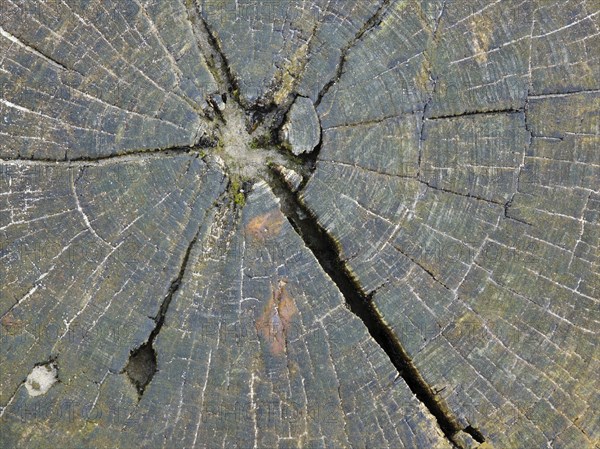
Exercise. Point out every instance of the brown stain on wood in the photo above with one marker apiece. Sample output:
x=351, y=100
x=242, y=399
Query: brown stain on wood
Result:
x=266, y=225
x=275, y=322
x=11, y=324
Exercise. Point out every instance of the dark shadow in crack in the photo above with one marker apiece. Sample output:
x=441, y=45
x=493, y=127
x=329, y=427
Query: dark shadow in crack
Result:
x=141, y=367
x=327, y=252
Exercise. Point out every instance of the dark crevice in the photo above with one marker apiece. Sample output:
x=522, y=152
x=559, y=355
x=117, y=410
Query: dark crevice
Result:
x=218, y=62
x=370, y=170
x=315, y=237
x=141, y=154
x=471, y=113
x=374, y=121
x=263, y=119
x=43, y=55
x=142, y=364
x=309, y=161
x=266, y=113
x=263, y=109
x=509, y=203
x=215, y=59
x=466, y=195
x=273, y=117
x=143, y=360
x=266, y=110
x=141, y=367
x=475, y=433
x=327, y=252
x=374, y=21
x=52, y=360
x=507, y=207
x=565, y=93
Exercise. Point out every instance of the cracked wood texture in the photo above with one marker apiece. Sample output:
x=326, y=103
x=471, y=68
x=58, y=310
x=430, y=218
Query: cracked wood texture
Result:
x=431, y=282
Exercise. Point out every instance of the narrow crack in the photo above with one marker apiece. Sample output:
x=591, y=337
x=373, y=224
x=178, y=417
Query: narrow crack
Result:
x=212, y=52
x=365, y=123
x=471, y=113
x=430, y=273
x=4, y=407
x=466, y=195
x=310, y=160
x=438, y=20
x=326, y=250
x=422, y=130
x=265, y=120
x=136, y=155
x=374, y=21
x=434, y=82
x=143, y=364
x=36, y=51
x=509, y=203
x=563, y=94
x=247, y=136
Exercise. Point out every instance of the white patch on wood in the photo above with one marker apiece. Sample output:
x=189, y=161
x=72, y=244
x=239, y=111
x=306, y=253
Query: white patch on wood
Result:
x=41, y=379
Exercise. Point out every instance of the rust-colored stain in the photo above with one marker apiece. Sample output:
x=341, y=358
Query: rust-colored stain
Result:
x=266, y=225
x=11, y=324
x=275, y=322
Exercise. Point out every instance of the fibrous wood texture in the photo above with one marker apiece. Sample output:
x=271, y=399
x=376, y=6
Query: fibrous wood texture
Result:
x=299, y=223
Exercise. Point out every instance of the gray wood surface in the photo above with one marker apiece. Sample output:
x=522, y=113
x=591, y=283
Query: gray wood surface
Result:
x=299, y=223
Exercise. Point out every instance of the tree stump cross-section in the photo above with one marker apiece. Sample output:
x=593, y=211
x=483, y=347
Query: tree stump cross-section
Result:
x=300, y=224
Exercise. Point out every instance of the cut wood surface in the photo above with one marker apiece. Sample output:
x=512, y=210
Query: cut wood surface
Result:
x=300, y=224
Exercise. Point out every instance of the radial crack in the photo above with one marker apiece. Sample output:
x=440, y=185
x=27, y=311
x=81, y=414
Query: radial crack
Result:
x=30, y=48
x=86, y=219
x=371, y=23
x=142, y=364
x=325, y=249
x=211, y=50
x=136, y=155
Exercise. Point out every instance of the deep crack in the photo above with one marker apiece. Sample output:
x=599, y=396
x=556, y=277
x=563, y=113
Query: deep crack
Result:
x=238, y=124
x=249, y=137
x=326, y=251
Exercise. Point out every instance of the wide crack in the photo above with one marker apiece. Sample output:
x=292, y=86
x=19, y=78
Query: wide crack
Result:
x=250, y=158
x=326, y=250
x=250, y=148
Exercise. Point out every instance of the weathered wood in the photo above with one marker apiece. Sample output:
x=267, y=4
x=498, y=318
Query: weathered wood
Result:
x=299, y=223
